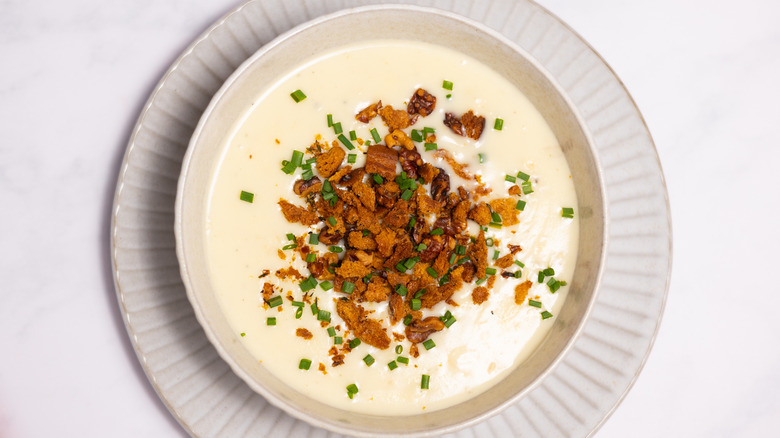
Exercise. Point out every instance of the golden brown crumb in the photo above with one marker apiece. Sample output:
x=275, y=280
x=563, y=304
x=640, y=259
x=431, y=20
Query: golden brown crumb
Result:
x=305, y=334
x=521, y=291
x=480, y=295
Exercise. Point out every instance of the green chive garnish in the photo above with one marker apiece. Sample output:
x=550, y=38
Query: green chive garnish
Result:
x=348, y=287
x=290, y=246
x=490, y=271
x=407, y=195
x=510, y=178
x=336, y=249
x=401, y=290
x=352, y=135
x=534, y=303
x=310, y=258
x=453, y=256
x=447, y=85
x=297, y=95
x=377, y=178
x=275, y=302
x=428, y=344
x=331, y=332
x=346, y=142
x=437, y=232
x=431, y=146
x=392, y=365
x=499, y=125
x=330, y=120
x=489, y=241
x=549, y=272
x=243, y=334
x=352, y=390
x=426, y=380
x=338, y=340
x=403, y=360
x=540, y=277
x=304, y=364
x=421, y=247
x=419, y=293
x=407, y=320
x=351, y=158
x=270, y=321
x=323, y=315
x=432, y=272
x=482, y=157
x=354, y=343
x=299, y=313
x=375, y=135
x=416, y=304
x=481, y=280
x=495, y=255
x=326, y=285
x=567, y=212
x=520, y=205
x=247, y=197
x=308, y=284
x=337, y=128
x=451, y=320
x=523, y=176
x=546, y=315
x=332, y=221
x=399, y=349
x=519, y=263
x=416, y=136
x=400, y=267
x=369, y=360
x=554, y=285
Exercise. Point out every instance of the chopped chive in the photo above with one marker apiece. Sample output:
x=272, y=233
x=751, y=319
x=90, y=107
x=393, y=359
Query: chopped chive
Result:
x=432, y=272
x=448, y=96
x=447, y=85
x=352, y=135
x=495, y=255
x=495, y=217
x=520, y=205
x=332, y=221
x=499, y=125
x=431, y=146
x=402, y=359
x=540, y=277
x=489, y=241
x=407, y=195
x=419, y=293
x=375, y=135
x=490, y=271
x=354, y=343
x=562, y=283
x=546, y=315
x=311, y=258
x=425, y=381
x=412, y=222
x=444, y=280
x=421, y=247
x=518, y=273
x=428, y=130
x=437, y=232
x=352, y=389
x=297, y=96
x=534, y=303
x=331, y=332
x=308, y=284
x=304, y=364
x=416, y=136
x=453, y=256
x=346, y=142
x=392, y=365
x=351, y=158
x=337, y=128
x=290, y=246
x=377, y=178
x=298, y=303
x=567, y=212
x=519, y=263
x=401, y=290
x=481, y=280
x=399, y=349
x=510, y=178
x=327, y=187
x=495, y=225
x=323, y=315
x=549, y=272
x=338, y=340
x=416, y=304
x=451, y=320
x=348, y=287
x=523, y=176
x=369, y=360
x=428, y=344
x=407, y=320
x=270, y=321
x=554, y=285
x=275, y=301
x=326, y=285
x=311, y=160
x=400, y=267
x=330, y=120
x=336, y=249
x=290, y=236
x=527, y=187
x=247, y=196
x=299, y=313
x=482, y=157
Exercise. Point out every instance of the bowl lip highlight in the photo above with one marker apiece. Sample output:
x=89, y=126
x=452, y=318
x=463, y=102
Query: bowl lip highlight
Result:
x=287, y=406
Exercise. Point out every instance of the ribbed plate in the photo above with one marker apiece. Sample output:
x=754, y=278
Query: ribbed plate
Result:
x=199, y=388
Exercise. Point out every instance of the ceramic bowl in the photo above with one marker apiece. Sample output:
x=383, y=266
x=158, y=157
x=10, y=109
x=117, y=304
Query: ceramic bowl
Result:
x=417, y=24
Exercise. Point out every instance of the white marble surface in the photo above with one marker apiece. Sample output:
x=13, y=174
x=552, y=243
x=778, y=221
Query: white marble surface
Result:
x=74, y=76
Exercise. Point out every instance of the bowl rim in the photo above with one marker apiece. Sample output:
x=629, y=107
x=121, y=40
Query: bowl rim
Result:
x=291, y=408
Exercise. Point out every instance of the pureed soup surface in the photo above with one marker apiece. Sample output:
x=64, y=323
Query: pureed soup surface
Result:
x=477, y=344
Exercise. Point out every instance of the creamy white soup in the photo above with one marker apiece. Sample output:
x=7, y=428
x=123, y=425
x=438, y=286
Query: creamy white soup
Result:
x=490, y=324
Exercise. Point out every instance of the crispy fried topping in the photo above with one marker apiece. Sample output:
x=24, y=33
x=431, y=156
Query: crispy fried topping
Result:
x=521, y=291
x=330, y=161
x=366, y=114
x=305, y=334
x=468, y=124
x=422, y=103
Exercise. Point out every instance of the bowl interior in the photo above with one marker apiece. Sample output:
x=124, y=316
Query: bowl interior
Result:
x=324, y=34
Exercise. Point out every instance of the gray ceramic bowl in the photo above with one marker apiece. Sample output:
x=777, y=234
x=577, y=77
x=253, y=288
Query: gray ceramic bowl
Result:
x=390, y=22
